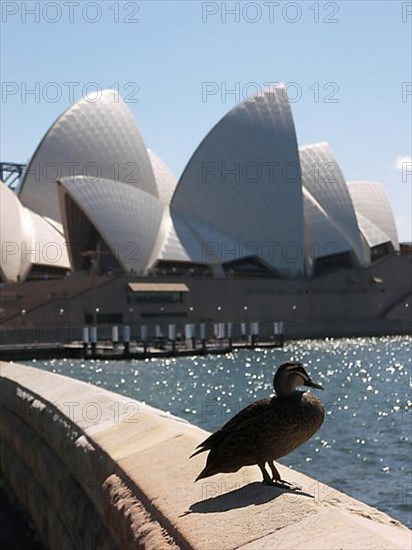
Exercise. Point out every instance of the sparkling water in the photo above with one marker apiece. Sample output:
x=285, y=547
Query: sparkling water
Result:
x=364, y=446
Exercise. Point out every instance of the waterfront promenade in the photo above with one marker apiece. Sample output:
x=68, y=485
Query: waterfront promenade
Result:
x=97, y=469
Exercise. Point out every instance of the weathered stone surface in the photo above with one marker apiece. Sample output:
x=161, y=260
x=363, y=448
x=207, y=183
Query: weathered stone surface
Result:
x=123, y=510
x=116, y=473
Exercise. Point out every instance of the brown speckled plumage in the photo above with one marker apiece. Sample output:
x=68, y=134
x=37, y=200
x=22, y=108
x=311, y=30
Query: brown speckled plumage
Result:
x=267, y=429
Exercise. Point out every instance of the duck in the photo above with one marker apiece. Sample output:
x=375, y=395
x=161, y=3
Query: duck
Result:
x=268, y=429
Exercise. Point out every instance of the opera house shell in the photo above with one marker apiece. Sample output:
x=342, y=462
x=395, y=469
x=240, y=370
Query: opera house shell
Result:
x=30, y=243
x=250, y=202
x=249, y=199
x=374, y=214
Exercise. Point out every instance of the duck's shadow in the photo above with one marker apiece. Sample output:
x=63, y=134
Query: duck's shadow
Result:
x=252, y=494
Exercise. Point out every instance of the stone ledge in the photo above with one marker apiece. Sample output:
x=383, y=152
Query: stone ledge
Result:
x=130, y=465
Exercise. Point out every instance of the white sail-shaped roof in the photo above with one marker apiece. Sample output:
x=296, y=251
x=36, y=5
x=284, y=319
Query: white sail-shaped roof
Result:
x=27, y=239
x=166, y=182
x=172, y=248
x=372, y=234
x=328, y=205
x=96, y=139
x=374, y=212
x=246, y=191
x=128, y=219
x=15, y=229
x=50, y=242
x=325, y=238
x=241, y=189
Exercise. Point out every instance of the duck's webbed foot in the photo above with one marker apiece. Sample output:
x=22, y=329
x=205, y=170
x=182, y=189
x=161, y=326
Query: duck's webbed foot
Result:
x=282, y=484
x=277, y=481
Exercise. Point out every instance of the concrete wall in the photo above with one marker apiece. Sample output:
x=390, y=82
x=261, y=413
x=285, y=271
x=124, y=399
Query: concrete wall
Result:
x=98, y=470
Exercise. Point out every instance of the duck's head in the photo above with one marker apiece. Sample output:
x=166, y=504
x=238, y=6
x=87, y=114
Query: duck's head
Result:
x=289, y=376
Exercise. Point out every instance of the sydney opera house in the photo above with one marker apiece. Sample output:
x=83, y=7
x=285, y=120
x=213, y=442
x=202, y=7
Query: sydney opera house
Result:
x=257, y=230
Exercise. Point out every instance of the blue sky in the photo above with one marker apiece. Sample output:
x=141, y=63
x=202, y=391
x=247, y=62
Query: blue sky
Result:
x=164, y=54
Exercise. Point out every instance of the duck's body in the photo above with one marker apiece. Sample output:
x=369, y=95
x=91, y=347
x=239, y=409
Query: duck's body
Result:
x=265, y=430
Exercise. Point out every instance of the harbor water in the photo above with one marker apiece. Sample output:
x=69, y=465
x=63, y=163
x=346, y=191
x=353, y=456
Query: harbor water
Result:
x=364, y=447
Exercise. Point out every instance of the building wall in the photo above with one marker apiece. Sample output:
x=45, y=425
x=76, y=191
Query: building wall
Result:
x=347, y=302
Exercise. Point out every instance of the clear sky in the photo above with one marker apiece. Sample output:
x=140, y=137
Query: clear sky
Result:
x=348, y=65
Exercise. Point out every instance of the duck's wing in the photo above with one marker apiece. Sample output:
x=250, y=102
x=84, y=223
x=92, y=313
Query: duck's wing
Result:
x=242, y=417
x=235, y=448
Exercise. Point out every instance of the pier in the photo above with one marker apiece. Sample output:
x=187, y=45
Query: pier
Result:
x=135, y=350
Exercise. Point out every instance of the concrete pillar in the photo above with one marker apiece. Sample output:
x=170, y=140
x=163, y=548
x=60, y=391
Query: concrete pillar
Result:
x=86, y=338
x=203, y=336
x=143, y=335
x=93, y=339
x=172, y=337
x=115, y=336
x=126, y=340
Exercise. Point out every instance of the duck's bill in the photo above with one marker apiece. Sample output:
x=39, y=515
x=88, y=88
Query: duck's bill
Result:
x=312, y=384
